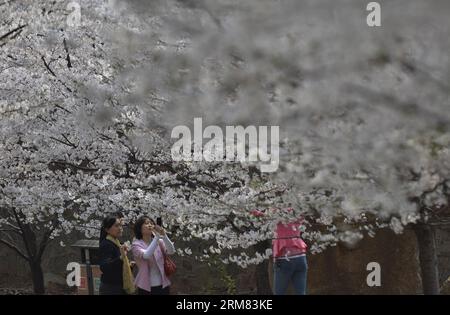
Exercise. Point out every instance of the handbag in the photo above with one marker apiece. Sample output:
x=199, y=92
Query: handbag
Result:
x=169, y=266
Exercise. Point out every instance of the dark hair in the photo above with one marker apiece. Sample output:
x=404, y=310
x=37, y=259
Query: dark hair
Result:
x=119, y=214
x=107, y=223
x=138, y=226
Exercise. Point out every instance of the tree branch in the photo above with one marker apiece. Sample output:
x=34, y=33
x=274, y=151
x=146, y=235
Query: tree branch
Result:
x=60, y=107
x=11, y=230
x=69, y=64
x=15, y=248
x=44, y=242
x=64, y=163
x=23, y=229
x=66, y=143
x=13, y=31
x=47, y=66
x=12, y=226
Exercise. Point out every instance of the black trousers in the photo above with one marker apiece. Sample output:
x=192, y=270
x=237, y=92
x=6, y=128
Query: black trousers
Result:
x=159, y=290
x=111, y=289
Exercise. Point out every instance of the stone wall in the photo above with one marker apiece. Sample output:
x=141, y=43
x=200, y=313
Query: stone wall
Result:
x=343, y=271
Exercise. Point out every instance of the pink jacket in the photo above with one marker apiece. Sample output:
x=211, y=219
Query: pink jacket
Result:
x=142, y=279
x=287, y=236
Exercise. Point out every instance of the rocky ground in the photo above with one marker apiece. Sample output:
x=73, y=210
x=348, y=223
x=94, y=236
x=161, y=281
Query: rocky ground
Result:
x=15, y=291
x=51, y=289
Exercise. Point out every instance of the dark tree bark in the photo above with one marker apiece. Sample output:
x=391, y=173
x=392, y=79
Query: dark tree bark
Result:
x=32, y=248
x=427, y=258
x=262, y=276
x=37, y=276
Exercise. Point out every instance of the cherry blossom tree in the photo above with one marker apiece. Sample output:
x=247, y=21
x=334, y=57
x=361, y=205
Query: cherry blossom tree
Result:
x=362, y=109
x=71, y=150
x=87, y=108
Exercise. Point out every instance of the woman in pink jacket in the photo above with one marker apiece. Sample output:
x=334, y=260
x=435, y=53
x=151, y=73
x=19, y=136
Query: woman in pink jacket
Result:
x=150, y=242
x=289, y=254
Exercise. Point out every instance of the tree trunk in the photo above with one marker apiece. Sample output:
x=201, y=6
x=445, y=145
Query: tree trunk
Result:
x=262, y=276
x=38, y=276
x=427, y=258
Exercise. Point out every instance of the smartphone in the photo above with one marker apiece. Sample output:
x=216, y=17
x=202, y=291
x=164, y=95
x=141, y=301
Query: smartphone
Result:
x=159, y=221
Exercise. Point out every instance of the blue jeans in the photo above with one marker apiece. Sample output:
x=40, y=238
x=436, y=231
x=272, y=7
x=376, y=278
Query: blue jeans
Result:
x=284, y=271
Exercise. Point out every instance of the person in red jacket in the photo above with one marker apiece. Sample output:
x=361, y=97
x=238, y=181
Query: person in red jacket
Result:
x=289, y=254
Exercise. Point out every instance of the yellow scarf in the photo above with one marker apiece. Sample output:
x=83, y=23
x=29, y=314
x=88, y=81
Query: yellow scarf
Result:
x=128, y=284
